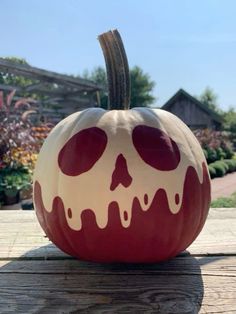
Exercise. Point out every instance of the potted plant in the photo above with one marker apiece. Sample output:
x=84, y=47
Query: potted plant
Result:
x=12, y=181
x=18, y=148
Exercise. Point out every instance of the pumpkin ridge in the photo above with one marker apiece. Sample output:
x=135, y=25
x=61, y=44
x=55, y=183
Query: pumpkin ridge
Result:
x=155, y=202
x=116, y=243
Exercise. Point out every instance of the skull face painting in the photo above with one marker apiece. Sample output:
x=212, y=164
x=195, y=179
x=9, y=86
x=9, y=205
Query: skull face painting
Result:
x=122, y=185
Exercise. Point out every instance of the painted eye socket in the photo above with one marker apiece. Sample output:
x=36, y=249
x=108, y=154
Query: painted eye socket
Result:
x=82, y=151
x=156, y=148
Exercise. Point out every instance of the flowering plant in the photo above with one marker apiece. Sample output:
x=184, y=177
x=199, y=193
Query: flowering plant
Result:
x=216, y=144
x=18, y=148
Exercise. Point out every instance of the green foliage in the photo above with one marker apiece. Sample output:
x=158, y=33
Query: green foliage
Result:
x=220, y=154
x=98, y=75
x=14, y=179
x=229, y=153
x=231, y=164
x=230, y=120
x=212, y=171
x=18, y=148
x=220, y=167
x=211, y=154
x=230, y=124
x=222, y=162
x=13, y=79
x=226, y=202
x=216, y=144
x=141, y=86
x=209, y=98
x=220, y=170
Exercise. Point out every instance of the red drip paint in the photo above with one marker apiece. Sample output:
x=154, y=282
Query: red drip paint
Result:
x=176, y=198
x=153, y=235
x=121, y=174
x=69, y=212
x=145, y=199
x=125, y=215
x=156, y=148
x=82, y=151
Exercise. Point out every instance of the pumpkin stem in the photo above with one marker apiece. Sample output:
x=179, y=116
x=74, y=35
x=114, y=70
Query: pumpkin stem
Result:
x=117, y=70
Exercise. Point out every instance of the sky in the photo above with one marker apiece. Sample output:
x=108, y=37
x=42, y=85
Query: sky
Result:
x=181, y=44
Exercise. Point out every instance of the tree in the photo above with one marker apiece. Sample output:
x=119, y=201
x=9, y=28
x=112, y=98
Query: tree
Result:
x=13, y=79
x=230, y=124
x=16, y=80
x=209, y=98
x=230, y=120
x=98, y=75
x=141, y=86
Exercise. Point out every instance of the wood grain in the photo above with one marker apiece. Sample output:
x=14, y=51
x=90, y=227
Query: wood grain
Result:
x=67, y=286
x=20, y=234
x=46, y=76
x=36, y=277
x=212, y=266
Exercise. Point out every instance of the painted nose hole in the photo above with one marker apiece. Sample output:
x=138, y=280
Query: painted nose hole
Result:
x=120, y=174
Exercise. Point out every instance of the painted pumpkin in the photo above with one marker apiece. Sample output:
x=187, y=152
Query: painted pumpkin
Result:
x=121, y=185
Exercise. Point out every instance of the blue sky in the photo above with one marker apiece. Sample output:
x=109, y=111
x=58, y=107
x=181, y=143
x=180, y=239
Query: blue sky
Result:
x=181, y=44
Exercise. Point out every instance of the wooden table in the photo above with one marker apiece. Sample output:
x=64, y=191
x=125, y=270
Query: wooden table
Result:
x=35, y=277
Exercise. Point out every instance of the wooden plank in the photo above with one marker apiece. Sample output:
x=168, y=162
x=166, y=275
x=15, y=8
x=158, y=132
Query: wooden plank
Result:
x=41, y=88
x=182, y=285
x=186, y=265
x=10, y=88
x=47, y=76
x=103, y=294
x=186, y=284
x=219, y=234
x=22, y=237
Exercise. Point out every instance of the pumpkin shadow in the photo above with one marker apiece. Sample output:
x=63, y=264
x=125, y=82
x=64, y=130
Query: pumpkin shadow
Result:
x=61, y=284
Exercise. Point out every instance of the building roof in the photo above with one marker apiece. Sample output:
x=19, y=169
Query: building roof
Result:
x=58, y=88
x=181, y=92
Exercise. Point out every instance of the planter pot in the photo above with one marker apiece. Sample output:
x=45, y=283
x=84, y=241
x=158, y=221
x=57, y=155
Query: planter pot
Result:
x=26, y=193
x=11, y=197
x=27, y=204
x=1, y=199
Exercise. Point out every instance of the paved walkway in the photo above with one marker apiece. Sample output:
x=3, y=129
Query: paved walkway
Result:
x=223, y=187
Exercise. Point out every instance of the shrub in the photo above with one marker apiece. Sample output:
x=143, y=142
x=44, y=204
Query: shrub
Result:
x=219, y=168
x=14, y=180
x=211, y=155
x=220, y=153
x=212, y=171
x=231, y=164
x=234, y=163
x=224, y=164
x=217, y=144
x=229, y=153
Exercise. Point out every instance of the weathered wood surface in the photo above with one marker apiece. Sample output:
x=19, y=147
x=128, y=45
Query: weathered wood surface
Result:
x=193, y=112
x=46, y=76
x=35, y=277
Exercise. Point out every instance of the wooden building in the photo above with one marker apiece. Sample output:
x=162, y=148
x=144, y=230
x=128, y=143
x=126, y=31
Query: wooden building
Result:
x=58, y=95
x=194, y=113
